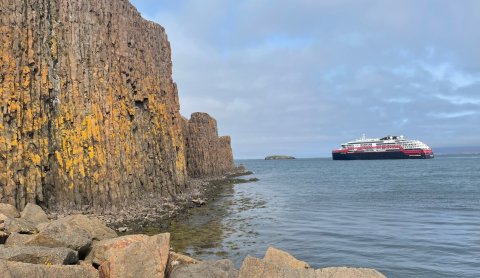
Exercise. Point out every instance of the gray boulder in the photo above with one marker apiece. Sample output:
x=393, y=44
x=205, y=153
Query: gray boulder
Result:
x=39, y=255
x=206, y=269
x=76, y=232
x=9, y=210
x=34, y=214
x=18, y=225
x=16, y=239
x=10, y=269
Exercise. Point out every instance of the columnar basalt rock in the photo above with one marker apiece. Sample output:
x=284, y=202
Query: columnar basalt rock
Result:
x=89, y=111
x=207, y=154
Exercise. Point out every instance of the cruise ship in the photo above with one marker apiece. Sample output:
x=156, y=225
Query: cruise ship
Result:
x=388, y=147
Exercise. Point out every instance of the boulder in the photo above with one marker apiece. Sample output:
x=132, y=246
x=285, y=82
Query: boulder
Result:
x=206, y=269
x=278, y=263
x=256, y=268
x=283, y=259
x=177, y=259
x=9, y=210
x=18, y=225
x=16, y=239
x=132, y=256
x=348, y=272
x=10, y=269
x=34, y=214
x=76, y=232
x=39, y=255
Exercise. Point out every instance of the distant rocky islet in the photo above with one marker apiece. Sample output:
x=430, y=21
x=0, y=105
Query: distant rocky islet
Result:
x=279, y=157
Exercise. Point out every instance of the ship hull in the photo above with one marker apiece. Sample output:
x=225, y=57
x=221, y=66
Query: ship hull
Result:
x=378, y=155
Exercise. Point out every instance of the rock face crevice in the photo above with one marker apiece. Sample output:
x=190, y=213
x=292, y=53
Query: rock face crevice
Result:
x=89, y=111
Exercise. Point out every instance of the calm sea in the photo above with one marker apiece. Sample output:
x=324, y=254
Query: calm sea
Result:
x=406, y=218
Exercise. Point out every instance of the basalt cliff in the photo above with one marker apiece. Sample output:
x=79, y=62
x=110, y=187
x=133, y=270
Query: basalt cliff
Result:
x=89, y=113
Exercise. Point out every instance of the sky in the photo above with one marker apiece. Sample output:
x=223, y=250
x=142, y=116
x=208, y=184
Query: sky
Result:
x=300, y=77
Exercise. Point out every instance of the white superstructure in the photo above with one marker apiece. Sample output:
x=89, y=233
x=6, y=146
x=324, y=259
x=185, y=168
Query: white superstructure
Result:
x=386, y=143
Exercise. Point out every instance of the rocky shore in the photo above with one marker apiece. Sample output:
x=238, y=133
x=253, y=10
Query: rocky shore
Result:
x=32, y=245
x=153, y=208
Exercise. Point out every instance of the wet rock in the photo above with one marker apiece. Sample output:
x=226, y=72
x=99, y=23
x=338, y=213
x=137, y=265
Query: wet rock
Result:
x=9, y=210
x=39, y=255
x=139, y=255
x=206, y=269
x=10, y=269
x=199, y=202
x=283, y=259
x=34, y=214
x=76, y=232
x=18, y=225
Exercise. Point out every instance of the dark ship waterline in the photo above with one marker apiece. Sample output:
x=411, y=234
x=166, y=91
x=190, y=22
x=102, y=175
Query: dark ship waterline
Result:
x=389, y=147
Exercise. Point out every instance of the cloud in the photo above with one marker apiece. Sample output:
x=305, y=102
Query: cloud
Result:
x=453, y=115
x=304, y=76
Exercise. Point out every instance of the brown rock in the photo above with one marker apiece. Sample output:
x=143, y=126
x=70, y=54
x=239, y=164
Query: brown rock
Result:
x=132, y=256
x=206, y=269
x=38, y=255
x=177, y=259
x=283, y=259
x=93, y=112
x=278, y=263
x=8, y=210
x=253, y=268
x=348, y=272
x=19, y=270
x=34, y=214
x=207, y=154
x=90, y=113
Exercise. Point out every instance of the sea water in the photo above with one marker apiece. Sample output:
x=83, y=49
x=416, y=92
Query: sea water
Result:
x=406, y=218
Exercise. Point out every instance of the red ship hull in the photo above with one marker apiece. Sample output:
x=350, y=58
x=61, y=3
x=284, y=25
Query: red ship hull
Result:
x=368, y=154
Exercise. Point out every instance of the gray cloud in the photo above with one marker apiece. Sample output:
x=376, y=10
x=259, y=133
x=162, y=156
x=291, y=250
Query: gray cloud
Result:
x=300, y=76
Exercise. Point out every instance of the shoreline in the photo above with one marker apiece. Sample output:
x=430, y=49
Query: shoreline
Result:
x=82, y=246
x=152, y=211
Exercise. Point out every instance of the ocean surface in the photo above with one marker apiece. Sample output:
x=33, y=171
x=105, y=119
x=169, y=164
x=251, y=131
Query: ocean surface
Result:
x=406, y=218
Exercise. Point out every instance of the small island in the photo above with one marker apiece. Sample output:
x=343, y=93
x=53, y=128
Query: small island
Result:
x=278, y=157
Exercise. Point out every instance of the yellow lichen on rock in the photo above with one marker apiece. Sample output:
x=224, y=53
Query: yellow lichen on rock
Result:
x=90, y=111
